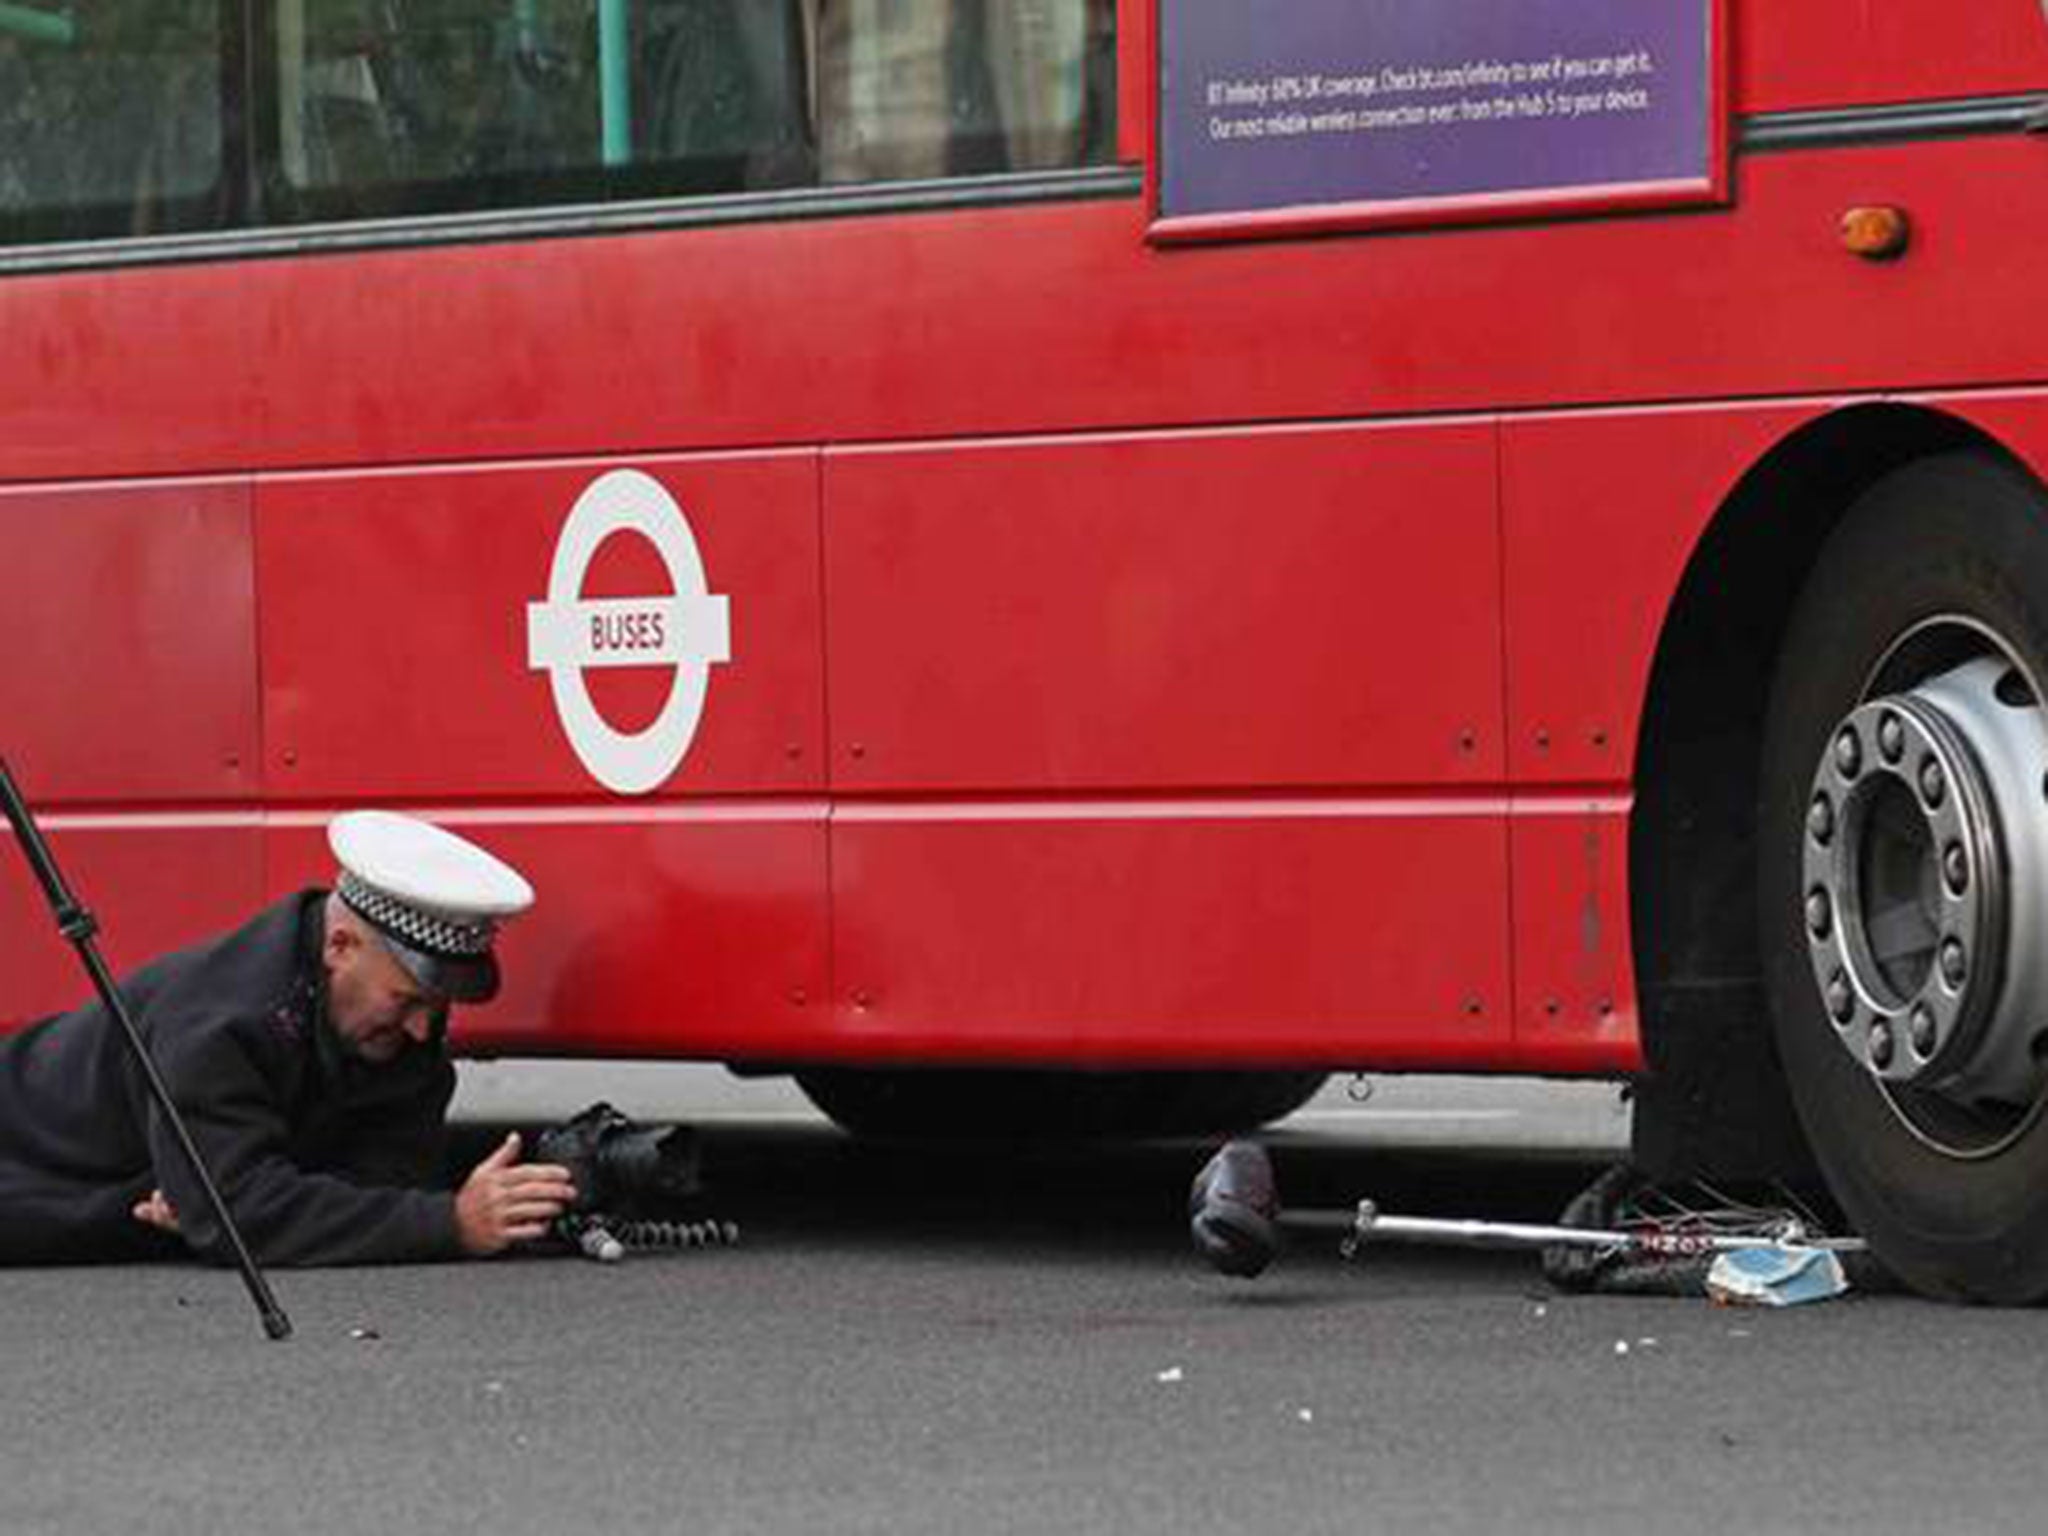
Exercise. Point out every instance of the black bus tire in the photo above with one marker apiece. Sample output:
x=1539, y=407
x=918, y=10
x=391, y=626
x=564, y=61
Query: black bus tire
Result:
x=1940, y=563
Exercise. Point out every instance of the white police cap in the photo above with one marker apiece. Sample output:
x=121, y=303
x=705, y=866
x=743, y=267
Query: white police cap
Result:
x=435, y=899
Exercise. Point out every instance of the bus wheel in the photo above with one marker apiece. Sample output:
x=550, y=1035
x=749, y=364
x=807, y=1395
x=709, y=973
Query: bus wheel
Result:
x=1903, y=865
x=962, y=1102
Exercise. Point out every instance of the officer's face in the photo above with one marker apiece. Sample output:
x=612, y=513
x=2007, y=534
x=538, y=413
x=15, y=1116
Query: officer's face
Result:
x=373, y=1004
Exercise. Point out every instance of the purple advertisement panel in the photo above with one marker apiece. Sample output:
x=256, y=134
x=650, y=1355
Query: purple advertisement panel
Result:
x=1306, y=103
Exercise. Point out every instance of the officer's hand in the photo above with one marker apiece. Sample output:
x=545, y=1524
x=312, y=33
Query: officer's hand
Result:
x=157, y=1212
x=505, y=1201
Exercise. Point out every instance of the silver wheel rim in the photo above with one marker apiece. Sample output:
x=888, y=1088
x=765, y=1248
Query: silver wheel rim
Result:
x=1924, y=853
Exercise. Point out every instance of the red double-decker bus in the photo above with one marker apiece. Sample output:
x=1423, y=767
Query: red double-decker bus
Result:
x=1070, y=560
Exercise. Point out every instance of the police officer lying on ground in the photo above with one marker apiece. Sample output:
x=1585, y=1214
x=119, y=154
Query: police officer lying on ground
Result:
x=305, y=1052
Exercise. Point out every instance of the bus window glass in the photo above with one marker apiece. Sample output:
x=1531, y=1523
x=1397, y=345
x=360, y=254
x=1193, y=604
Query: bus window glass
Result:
x=917, y=88
x=110, y=118
x=404, y=106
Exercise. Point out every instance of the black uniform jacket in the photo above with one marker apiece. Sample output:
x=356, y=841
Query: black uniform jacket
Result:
x=320, y=1156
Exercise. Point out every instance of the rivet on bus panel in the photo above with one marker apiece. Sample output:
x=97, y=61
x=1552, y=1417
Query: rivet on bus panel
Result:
x=1878, y=232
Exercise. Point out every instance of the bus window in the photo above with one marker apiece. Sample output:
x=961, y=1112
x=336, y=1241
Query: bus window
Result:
x=407, y=106
x=110, y=119
x=1053, y=70
x=400, y=105
x=916, y=88
x=726, y=82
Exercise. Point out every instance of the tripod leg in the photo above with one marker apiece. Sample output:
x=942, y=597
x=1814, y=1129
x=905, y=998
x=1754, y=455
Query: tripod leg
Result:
x=78, y=926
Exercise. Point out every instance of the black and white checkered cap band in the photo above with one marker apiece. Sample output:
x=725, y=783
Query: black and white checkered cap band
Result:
x=422, y=930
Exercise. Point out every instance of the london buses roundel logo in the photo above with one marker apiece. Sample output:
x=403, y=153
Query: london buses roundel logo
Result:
x=687, y=629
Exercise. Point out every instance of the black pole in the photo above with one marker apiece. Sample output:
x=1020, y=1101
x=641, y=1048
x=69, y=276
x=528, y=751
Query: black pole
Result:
x=78, y=925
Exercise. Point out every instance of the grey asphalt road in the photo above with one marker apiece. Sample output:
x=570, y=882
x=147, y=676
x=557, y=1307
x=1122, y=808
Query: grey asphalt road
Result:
x=1013, y=1340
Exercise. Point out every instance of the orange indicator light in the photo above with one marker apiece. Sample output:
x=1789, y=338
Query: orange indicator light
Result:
x=1876, y=233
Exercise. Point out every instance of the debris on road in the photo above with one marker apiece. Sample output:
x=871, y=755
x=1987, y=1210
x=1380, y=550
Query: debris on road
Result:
x=1679, y=1239
x=1623, y=1235
x=1782, y=1275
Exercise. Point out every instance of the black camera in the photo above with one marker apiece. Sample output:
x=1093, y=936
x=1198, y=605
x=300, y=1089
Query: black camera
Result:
x=619, y=1168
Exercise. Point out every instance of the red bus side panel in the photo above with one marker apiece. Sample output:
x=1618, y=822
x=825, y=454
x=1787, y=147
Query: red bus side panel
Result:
x=127, y=620
x=1828, y=53
x=689, y=919
x=1575, y=999
x=1241, y=614
x=124, y=372
x=1189, y=610
x=1039, y=319
x=1173, y=932
x=395, y=609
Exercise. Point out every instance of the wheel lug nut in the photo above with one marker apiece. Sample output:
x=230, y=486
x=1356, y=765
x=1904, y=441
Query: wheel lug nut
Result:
x=1820, y=820
x=1891, y=738
x=1848, y=753
x=1819, y=913
x=1955, y=869
x=1880, y=1045
x=1921, y=1030
x=1841, y=1001
x=1954, y=963
x=1933, y=783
